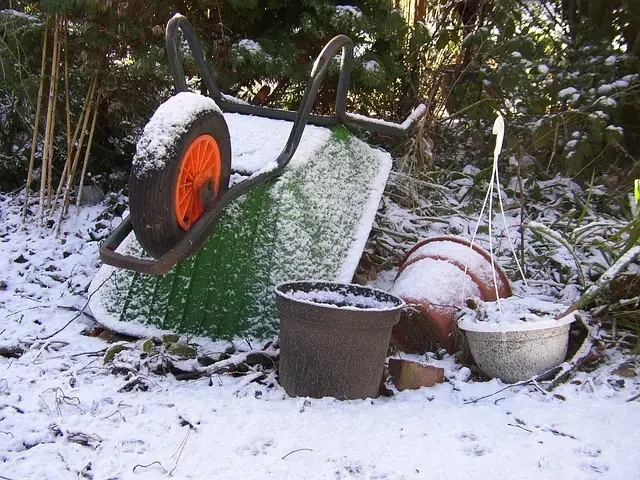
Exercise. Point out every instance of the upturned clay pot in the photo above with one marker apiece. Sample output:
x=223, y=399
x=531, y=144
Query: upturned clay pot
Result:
x=434, y=281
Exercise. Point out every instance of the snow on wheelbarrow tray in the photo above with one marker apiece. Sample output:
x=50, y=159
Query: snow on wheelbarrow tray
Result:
x=311, y=222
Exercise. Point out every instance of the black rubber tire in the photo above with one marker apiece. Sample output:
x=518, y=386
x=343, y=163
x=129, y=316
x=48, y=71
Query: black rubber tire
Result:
x=151, y=194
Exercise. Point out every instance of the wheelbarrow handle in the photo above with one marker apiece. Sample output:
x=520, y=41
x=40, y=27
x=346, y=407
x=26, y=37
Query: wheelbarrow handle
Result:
x=179, y=22
x=109, y=255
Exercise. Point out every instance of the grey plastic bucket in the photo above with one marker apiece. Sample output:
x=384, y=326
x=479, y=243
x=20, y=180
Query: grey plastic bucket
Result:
x=518, y=355
x=334, y=338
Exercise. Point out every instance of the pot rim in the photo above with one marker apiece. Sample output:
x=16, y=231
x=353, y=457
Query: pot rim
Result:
x=483, y=327
x=281, y=294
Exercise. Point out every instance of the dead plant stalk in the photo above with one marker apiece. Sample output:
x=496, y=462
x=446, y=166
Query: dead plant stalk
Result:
x=50, y=116
x=76, y=132
x=87, y=151
x=36, y=124
x=58, y=47
x=67, y=162
x=74, y=166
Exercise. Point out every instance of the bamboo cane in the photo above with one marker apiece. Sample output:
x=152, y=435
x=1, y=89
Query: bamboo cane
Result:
x=63, y=179
x=53, y=117
x=36, y=125
x=88, y=149
x=67, y=162
x=76, y=158
x=49, y=126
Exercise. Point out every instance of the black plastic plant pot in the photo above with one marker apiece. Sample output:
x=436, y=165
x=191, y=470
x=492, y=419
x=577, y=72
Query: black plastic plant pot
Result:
x=334, y=338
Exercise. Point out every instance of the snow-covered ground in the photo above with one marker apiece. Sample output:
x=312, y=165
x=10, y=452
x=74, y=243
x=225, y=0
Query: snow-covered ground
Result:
x=63, y=414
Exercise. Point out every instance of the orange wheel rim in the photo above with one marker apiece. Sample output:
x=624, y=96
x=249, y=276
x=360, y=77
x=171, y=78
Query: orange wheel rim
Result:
x=198, y=180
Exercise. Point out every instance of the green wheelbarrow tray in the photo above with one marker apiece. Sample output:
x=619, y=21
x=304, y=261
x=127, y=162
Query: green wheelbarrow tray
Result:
x=306, y=214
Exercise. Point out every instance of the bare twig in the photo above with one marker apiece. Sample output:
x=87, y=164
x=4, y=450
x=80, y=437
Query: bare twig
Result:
x=635, y=397
x=298, y=450
x=79, y=313
x=150, y=465
x=519, y=426
x=519, y=384
x=181, y=449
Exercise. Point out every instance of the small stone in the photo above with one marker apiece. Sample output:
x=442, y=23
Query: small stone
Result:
x=626, y=370
x=170, y=338
x=21, y=259
x=464, y=374
x=182, y=349
x=207, y=360
x=112, y=337
x=413, y=375
x=11, y=352
x=91, y=195
x=3, y=285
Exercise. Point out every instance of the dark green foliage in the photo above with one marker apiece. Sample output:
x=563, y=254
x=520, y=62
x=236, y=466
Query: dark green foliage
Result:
x=567, y=84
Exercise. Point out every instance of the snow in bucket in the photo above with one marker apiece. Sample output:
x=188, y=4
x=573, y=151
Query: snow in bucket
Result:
x=514, y=314
x=340, y=295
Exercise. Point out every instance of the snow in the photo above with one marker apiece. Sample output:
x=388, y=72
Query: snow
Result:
x=439, y=282
x=170, y=120
x=371, y=66
x=611, y=60
x=343, y=301
x=606, y=101
x=565, y=92
x=367, y=219
x=476, y=263
x=605, y=279
x=10, y=14
x=417, y=112
x=613, y=128
x=604, y=89
x=250, y=46
x=599, y=114
x=232, y=99
x=513, y=314
x=609, y=87
x=58, y=392
x=256, y=142
x=543, y=69
x=620, y=84
x=342, y=10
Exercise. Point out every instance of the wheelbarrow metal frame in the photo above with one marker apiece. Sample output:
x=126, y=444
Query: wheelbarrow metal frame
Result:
x=197, y=235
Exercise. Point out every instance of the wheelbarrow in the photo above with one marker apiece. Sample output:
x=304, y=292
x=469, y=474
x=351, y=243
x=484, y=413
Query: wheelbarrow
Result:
x=204, y=246
x=175, y=208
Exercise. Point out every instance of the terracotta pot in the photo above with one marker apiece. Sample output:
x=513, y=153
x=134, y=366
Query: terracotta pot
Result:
x=475, y=267
x=431, y=280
